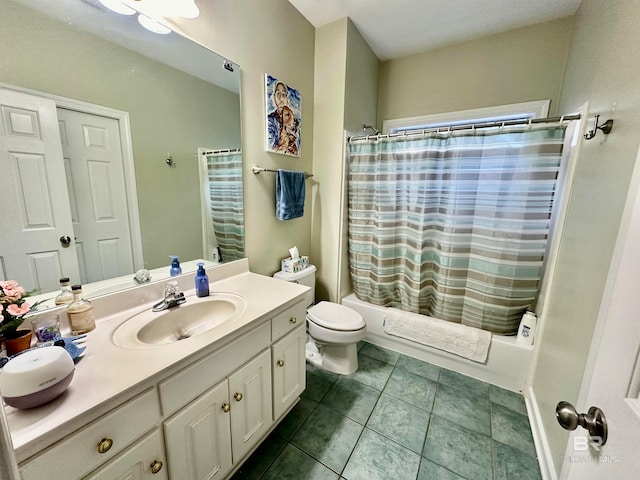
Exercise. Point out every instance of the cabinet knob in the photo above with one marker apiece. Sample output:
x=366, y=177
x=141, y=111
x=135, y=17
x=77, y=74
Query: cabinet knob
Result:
x=105, y=445
x=238, y=396
x=293, y=320
x=280, y=363
x=226, y=407
x=156, y=466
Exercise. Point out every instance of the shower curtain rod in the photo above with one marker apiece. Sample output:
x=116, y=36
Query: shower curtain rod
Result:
x=224, y=150
x=468, y=126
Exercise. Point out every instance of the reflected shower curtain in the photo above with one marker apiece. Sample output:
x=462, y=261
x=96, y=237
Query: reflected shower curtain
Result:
x=454, y=226
x=227, y=208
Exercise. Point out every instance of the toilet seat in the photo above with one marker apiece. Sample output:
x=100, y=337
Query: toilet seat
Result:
x=335, y=317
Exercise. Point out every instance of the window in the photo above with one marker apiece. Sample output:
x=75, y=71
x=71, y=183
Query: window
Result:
x=514, y=111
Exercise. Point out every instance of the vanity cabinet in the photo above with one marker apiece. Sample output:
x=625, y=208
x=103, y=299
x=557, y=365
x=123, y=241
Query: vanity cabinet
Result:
x=207, y=413
x=207, y=436
x=289, y=373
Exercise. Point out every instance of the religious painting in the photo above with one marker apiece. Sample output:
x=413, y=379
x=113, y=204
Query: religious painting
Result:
x=284, y=117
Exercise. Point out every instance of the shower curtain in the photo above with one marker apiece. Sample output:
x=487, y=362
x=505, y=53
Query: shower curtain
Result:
x=453, y=226
x=227, y=208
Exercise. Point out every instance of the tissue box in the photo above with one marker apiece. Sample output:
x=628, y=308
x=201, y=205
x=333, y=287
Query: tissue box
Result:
x=290, y=265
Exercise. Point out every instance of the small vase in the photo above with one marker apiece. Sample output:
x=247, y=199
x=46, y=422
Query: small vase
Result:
x=17, y=341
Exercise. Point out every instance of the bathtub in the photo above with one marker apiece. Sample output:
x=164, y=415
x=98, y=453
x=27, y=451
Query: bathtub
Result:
x=507, y=364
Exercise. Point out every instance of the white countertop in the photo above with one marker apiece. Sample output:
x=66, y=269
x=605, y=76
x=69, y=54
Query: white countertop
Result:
x=106, y=371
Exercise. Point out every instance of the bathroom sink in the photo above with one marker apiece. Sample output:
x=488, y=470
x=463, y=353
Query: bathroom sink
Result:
x=195, y=317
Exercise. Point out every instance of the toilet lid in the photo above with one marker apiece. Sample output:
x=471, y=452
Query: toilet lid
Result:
x=335, y=317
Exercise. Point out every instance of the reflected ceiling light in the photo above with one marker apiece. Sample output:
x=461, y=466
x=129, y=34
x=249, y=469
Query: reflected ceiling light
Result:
x=118, y=7
x=153, y=25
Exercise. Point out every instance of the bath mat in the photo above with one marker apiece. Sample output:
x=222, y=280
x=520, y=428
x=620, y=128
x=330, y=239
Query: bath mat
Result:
x=468, y=342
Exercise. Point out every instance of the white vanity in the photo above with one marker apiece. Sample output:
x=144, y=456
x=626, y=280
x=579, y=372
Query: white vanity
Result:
x=191, y=409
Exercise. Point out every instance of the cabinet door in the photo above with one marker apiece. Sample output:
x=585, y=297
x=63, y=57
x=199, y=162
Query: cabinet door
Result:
x=143, y=461
x=289, y=375
x=198, y=437
x=250, y=390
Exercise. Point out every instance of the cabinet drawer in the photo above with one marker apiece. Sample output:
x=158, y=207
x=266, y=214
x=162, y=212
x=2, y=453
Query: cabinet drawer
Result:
x=288, y=320
x=143, y=461
x=79, y=453
x=194, y=380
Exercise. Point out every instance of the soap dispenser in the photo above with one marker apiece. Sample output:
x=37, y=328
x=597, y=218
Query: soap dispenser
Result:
x=202, y=281
x=175, y=266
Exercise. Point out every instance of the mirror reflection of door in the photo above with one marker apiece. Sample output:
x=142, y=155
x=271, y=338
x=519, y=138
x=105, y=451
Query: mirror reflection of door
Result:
x=67, y=180
x=92, y=152
x=33, y=194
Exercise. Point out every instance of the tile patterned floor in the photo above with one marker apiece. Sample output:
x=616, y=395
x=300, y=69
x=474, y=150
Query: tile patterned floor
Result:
x=398, y=418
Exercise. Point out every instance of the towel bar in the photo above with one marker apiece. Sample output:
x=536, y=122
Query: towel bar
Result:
x=256, y=170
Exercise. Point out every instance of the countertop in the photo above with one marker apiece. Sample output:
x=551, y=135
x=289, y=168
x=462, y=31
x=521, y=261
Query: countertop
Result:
x=106, y=371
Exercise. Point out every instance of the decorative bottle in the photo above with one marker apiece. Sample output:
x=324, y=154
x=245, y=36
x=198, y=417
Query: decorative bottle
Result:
x=65, y=297
x=80, y=312
x=202, y=281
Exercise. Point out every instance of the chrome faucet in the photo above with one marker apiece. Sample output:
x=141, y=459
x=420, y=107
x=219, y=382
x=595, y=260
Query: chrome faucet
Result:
x=172, y=297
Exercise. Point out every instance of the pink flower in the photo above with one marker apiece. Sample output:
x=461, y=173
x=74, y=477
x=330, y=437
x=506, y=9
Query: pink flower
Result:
x=17, y=310
x=12, y=290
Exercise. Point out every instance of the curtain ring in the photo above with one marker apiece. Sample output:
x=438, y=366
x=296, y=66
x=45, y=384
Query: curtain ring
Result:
x=501, y=127
x=530, y=123
x=561, y=119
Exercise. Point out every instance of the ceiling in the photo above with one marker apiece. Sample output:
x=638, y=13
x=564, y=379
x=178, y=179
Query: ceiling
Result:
x=397, y=28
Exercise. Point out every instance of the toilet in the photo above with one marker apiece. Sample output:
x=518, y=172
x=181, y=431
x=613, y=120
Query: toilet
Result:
x=333, y=330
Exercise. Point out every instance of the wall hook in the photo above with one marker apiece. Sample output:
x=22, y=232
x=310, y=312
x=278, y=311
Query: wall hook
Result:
x=605, y=127
x=169, y=160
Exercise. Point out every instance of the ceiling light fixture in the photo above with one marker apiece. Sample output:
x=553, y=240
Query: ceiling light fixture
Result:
x=153, y=25
x=118, y=7
x=150, y=11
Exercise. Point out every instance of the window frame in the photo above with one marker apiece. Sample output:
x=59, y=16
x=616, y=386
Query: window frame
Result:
x=524, y=110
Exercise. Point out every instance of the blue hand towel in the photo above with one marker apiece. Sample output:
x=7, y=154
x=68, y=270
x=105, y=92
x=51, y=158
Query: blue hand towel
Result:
x=290, y=191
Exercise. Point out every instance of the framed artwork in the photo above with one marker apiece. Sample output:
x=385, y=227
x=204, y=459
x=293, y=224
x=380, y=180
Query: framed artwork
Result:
x=284, y=117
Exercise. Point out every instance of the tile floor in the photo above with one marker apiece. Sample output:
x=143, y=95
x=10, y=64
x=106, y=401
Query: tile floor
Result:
x=398, y=418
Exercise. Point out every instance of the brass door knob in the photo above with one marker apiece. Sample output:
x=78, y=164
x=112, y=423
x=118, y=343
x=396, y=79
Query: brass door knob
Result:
x=238, y=396
x=280, y=363
x=156, y=466
x=226, y=407
x=105, y=445
x=293, y=320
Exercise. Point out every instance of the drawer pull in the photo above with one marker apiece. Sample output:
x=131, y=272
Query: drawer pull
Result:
x=280, y=363
x=156, y=466
x=238, y=396
x=226, y=407
x=293, y=320
x=105, y=445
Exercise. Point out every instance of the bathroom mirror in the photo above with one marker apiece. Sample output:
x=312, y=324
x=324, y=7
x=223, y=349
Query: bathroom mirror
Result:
x=173, y=99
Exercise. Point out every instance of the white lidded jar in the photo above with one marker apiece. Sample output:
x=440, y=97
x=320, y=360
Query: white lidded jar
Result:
x=527, y=328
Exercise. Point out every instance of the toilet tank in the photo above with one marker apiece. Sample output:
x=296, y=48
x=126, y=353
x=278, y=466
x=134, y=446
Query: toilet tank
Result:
x=306, y=277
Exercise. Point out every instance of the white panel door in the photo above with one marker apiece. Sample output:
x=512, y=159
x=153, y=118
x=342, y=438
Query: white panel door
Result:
x=198, y=437
x=250, y=391
x=92, y=151
x=33, y=194
x=612, y=381
x=289, y=373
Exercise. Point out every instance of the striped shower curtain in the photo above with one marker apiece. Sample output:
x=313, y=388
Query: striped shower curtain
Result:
x=453, y=226
x=227, y=208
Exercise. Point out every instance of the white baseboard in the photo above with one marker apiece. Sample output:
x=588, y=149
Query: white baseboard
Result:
x=545, y=458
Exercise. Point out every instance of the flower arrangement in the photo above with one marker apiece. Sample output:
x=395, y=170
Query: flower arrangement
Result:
x=13, y=306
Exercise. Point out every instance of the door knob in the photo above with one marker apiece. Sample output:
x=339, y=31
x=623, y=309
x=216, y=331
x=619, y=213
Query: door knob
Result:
x=594, y=420
x=65, y=240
